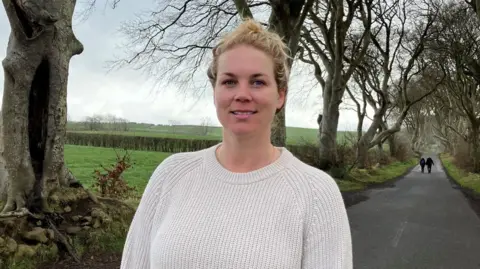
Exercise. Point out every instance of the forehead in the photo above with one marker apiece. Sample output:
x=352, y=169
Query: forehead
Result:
x=245, y=60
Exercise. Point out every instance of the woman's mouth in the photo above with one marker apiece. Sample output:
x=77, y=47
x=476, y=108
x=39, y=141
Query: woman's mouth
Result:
x=243, y=114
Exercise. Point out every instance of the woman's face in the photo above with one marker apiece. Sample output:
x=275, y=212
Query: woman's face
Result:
x=246, y=93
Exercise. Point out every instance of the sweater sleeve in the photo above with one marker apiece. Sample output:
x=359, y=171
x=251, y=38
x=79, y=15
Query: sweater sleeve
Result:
x=328, y=243
x=136, y=251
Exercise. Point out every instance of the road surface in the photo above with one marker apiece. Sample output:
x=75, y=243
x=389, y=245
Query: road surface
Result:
x=421, y=222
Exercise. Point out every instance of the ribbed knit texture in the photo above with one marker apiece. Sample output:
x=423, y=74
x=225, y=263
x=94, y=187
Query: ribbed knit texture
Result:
x=195, y=214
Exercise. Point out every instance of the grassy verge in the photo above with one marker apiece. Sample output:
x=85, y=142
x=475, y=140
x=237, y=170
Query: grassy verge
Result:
x=463, y=178
x=360, y=179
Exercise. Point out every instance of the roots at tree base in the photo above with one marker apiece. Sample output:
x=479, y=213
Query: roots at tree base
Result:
x=77, y=224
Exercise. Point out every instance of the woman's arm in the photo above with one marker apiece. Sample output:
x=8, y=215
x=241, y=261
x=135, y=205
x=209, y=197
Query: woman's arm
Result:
x=328, y=242
x=136, y=251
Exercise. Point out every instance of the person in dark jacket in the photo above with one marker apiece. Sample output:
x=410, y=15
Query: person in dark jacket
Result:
x=422, y=164
x=429, y=164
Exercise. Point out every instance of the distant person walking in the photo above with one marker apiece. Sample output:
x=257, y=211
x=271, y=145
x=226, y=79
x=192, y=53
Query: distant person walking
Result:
x=422, y=164
x=429, y=164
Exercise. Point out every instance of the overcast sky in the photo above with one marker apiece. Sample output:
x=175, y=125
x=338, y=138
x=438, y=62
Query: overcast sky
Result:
x=126, y=93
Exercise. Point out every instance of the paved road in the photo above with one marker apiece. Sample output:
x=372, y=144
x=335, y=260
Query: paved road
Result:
x=422, y=222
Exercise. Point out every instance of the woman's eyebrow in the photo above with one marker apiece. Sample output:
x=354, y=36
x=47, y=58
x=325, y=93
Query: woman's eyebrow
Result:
x=253, y=75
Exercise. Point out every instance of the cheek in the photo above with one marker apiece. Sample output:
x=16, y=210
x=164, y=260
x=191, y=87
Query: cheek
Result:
x=269, y=100
x=222, y=100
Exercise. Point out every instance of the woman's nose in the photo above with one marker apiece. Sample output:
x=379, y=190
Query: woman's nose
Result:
x=243, y=92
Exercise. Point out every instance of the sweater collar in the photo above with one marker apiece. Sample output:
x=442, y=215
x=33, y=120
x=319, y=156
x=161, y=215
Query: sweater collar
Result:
x=215, y=168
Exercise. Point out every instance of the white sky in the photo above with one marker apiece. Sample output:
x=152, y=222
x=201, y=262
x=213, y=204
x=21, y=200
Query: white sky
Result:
x=126, y=94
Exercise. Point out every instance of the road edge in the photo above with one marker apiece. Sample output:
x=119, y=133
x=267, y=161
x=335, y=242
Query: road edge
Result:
x=472, y=197
x=351, y=198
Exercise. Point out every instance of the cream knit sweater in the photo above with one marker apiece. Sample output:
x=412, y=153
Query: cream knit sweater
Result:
x=195, y=214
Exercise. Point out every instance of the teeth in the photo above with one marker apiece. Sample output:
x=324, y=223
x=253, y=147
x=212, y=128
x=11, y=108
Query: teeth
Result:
x=242, y=113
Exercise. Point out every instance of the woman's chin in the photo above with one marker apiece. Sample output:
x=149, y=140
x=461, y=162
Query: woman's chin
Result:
x=244, y=130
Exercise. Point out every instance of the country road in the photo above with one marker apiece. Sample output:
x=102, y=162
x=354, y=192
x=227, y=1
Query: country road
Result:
x=421, y=222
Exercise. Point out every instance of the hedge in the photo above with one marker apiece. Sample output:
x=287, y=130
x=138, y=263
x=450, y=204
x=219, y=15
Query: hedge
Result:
x=171, y=145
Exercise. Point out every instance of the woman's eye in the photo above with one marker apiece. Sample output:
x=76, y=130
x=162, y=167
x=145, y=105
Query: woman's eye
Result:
x=258, y=83
x=228, y=82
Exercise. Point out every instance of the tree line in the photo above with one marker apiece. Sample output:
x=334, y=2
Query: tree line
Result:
x=393, y=56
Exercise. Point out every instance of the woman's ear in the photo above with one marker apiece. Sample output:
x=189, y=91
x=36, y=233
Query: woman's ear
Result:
x=282, y=96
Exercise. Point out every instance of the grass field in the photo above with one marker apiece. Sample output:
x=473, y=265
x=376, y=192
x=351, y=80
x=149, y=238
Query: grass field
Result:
x=83, y=160
x=467, y=180
x=295, y=135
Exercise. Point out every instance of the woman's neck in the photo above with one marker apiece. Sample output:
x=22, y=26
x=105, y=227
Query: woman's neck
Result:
x=247, y=153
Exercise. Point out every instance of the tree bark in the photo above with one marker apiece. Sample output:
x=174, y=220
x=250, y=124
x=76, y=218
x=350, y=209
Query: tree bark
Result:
x=34, y=110
x=286, y=19
x=475, y=150
x=392, y=146
x=328, y=136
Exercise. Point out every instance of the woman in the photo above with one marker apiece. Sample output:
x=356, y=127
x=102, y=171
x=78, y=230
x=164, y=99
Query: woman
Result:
x=243, y=203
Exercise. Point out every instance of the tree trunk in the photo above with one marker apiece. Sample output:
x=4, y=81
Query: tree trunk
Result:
x=364, y=144
x=328, y=136
x=3, y=172
x=278, y=135
x=391, y=145
x=286, y=19
x=34, y=110
x=475, y=151
x=380, y=148
x=319, y=122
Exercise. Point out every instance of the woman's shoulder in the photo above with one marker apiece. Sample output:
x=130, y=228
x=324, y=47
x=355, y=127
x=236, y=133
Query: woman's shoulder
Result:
x=178, y=162
x=172, y=169
x=315, y=189
x=310, y=180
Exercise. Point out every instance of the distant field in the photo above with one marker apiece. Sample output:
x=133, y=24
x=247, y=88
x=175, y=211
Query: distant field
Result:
x=295, y=135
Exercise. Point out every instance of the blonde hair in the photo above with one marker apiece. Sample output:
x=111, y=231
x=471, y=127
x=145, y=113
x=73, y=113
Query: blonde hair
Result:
x=253, y=34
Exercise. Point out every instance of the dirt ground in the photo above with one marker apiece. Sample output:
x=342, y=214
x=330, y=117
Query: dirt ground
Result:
x=89, y=261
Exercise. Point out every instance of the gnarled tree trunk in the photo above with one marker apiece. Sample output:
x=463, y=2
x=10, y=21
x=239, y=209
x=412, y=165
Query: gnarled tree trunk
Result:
x=286, y=19
x=34, y=109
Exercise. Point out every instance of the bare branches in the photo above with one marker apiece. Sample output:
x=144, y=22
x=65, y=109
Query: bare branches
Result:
x=172, y=41
x=243, y=9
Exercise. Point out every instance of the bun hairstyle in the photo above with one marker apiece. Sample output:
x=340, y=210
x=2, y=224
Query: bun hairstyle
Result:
x=250, y=32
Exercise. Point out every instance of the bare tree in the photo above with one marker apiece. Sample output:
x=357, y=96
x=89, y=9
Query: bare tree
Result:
x=360, y=108
x=173, y=125
x=93, y=123
x=392, y=44
x=39, y=50
x=205, y=125
x=411, y=65
x=457, y=46
x=447, y=126
x=417, y=123
x=335, y=48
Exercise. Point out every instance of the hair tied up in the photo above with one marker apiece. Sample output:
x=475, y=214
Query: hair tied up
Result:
x=253, y=27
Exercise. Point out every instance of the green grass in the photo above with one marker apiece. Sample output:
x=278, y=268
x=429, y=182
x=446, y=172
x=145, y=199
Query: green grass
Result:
x=360, y=178
x=295, y=135
x=463, y=178
x=83, y=160
x=348, y=185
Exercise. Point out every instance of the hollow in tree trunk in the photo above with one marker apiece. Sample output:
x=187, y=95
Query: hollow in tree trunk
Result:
x=34, y=109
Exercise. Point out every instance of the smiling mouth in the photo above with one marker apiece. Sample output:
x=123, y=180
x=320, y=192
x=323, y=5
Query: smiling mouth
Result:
x=243, y=112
